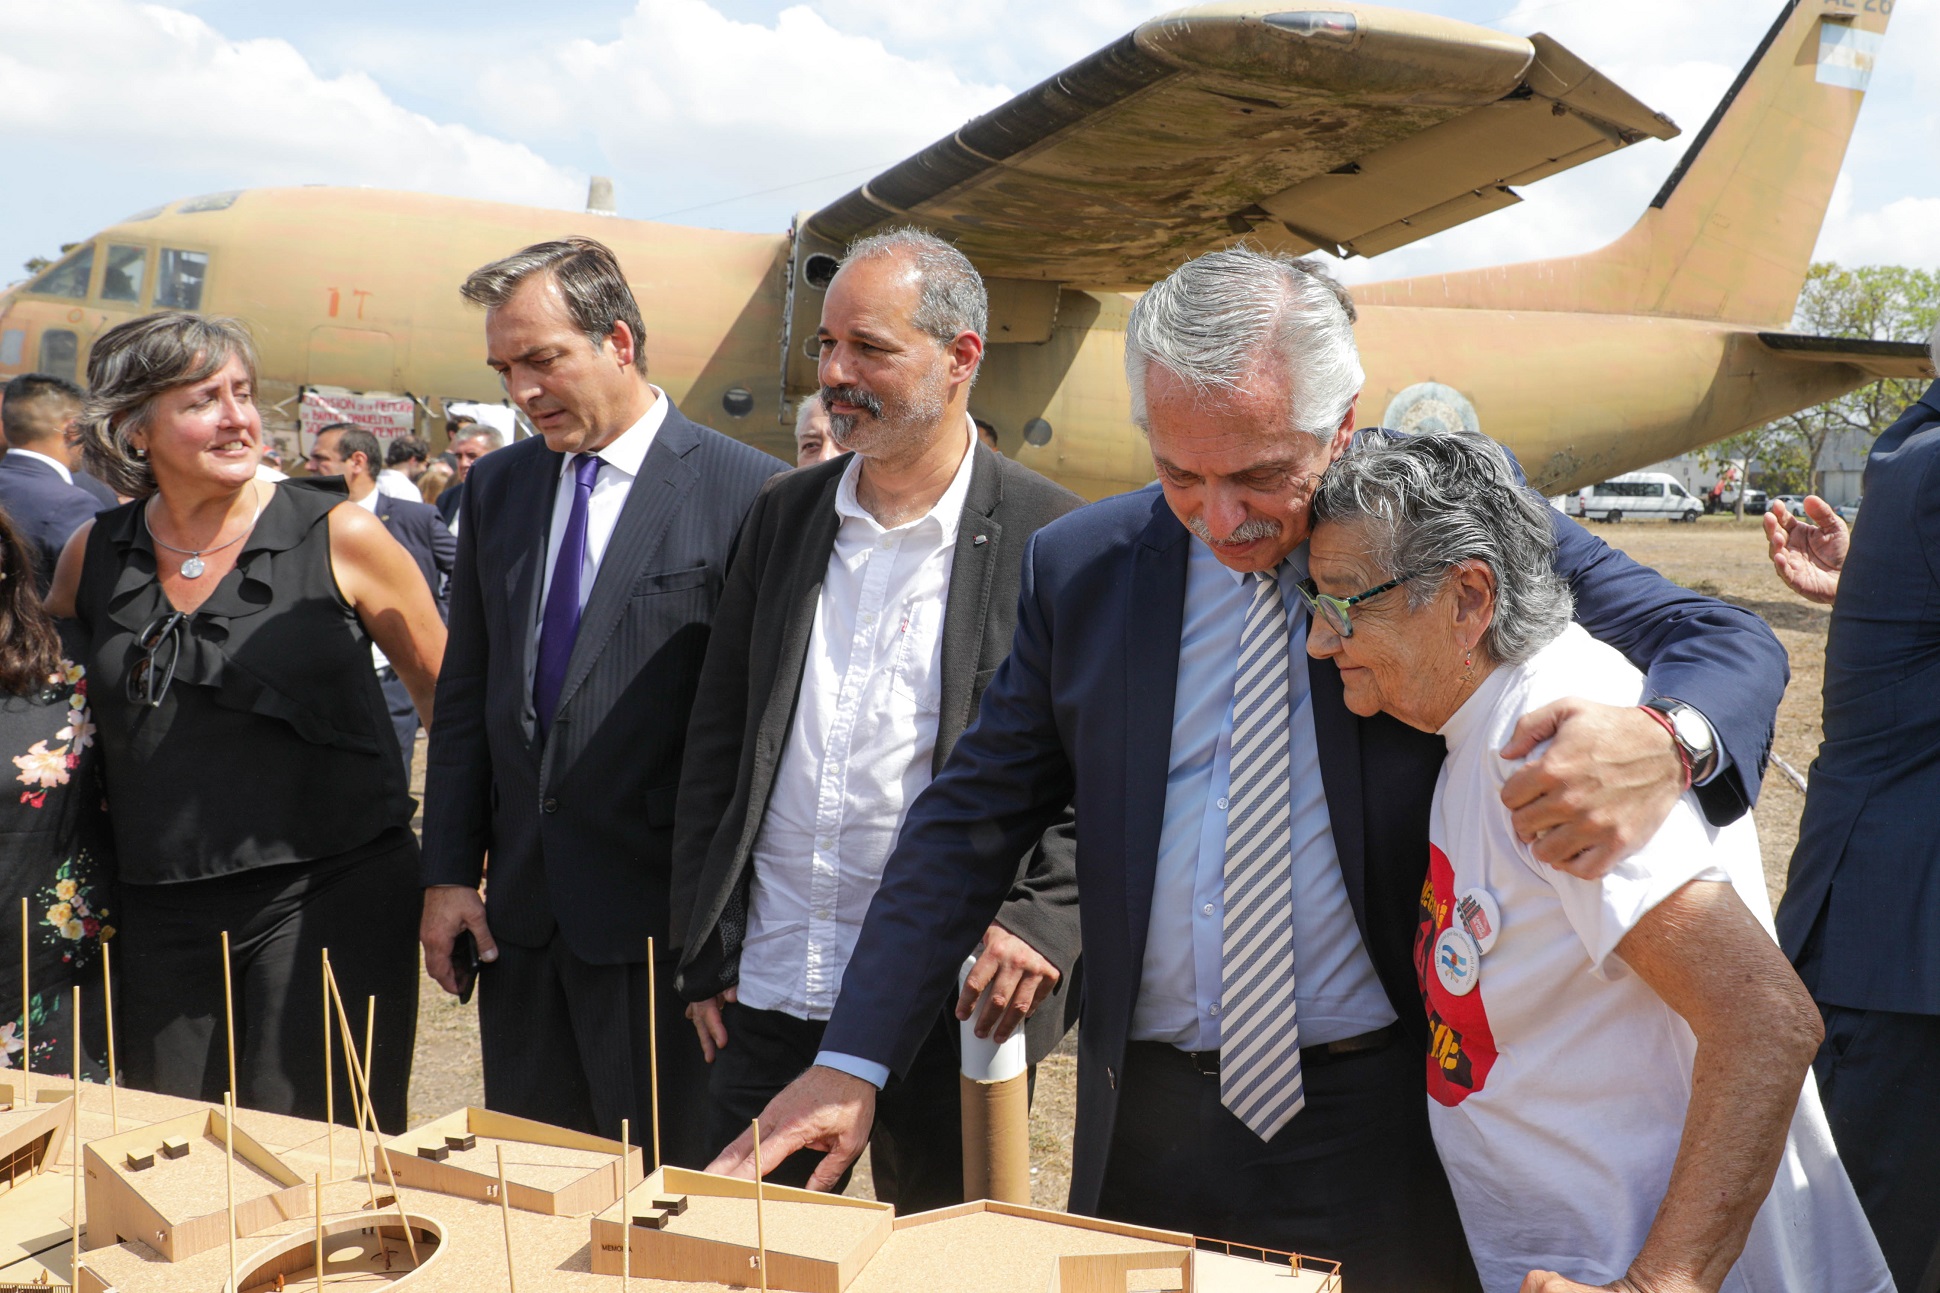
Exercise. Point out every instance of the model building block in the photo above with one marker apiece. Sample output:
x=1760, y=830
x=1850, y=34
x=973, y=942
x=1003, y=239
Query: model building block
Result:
x=31, y=1138
x=547, y=1169
x=140, y=1160
x=675, y=1205
x=177, y=1207
x=816, y=1243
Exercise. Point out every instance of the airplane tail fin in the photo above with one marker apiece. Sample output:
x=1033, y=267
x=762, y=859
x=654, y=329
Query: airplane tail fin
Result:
x=1730, y=234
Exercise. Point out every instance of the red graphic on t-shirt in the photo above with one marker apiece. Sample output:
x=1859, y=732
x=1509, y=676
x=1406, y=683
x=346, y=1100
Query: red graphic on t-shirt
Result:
x=1461, y=1049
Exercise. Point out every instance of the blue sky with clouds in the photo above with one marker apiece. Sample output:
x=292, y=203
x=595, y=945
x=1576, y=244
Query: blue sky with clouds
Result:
x=737, y=113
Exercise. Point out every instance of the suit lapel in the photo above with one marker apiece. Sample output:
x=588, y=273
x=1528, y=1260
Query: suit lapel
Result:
x=804, y=598
x=1338, y=734
x=524, y=528
x=664, y=480
x=1155, y=615
x=967, y=609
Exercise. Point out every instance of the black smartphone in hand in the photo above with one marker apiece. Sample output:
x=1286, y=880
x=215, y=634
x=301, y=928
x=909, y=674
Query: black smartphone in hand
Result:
x=464, y=964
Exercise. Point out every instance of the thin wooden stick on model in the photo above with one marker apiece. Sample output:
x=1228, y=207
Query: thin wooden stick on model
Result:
x=229, y=1174
x=505, y=1213
x=108, y=1006
x=360, y=1077
x=626, y=1222
x=760, y=1230
x=329, y=1077
x=319, y=1211
x=26, y=1011
x=229, y=1009
x=74, y=1062
x=369, y=1054
x=653, y=1058
x=363, y=1165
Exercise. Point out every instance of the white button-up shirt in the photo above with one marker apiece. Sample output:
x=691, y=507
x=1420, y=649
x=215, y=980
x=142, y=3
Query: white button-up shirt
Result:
x=858, y=751
x=623, y=459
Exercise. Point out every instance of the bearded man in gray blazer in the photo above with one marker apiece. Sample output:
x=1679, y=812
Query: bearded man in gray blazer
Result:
x=872, y=598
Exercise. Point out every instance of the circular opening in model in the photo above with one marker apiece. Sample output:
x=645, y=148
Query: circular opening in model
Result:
x=818, y=271
x=1037, y=431
x=738, y=402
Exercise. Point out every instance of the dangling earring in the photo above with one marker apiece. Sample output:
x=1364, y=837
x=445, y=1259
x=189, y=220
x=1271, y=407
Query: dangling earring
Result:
x=1468, y=666
x=141, y=455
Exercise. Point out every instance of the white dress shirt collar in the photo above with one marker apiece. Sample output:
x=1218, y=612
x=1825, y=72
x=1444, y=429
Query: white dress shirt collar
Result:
x=369, y=501
x=59, y=466
x=629, y=449
x=948, y=511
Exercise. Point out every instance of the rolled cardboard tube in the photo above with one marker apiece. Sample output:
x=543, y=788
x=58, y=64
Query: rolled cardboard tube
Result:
x=994, y=1089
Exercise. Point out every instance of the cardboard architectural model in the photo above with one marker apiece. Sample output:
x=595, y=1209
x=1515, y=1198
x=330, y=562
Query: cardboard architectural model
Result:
x=148, y=1231
x=359, y=1250
x=547, y=1169
x=165, y=1185
x=696, y=1228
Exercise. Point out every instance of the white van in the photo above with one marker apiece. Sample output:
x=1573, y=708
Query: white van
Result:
x=1639, y=493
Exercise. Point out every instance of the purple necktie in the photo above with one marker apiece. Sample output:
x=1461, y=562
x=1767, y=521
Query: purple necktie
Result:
x=560, y=624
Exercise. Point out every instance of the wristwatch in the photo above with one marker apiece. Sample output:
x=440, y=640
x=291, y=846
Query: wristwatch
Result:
x=1693, y=734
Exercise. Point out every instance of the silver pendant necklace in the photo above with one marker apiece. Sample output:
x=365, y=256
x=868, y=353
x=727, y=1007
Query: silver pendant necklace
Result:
x=194, y=566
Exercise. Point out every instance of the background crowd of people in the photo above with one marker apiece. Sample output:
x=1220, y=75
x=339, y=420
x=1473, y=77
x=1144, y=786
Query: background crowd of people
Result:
x=1332, y=759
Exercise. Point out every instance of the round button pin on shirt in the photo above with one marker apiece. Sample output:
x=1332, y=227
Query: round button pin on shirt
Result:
x=1458, y=962
x=1480, y=917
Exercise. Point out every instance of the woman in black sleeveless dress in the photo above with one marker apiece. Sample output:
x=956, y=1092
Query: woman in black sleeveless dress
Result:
x=53, y=834
x=254, y=785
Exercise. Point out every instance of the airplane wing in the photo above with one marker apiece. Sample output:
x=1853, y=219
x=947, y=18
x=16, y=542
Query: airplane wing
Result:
x=1890, y=359
x=1355, y=129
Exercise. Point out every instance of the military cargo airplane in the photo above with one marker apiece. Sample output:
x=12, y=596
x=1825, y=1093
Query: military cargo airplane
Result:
x=1353, y=129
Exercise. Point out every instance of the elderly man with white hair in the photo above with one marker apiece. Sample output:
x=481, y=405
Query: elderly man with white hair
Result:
x=1250, y=853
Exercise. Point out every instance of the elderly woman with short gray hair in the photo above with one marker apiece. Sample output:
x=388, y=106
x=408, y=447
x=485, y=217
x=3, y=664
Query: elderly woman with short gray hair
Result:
x=253, y=781
x=1617, y=1068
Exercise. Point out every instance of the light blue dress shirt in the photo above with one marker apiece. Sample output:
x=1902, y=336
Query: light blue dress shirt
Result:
x=1336, y=991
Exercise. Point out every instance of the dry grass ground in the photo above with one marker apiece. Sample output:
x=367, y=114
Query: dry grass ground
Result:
x=1717, y=556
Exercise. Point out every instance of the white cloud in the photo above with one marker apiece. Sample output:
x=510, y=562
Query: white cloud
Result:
x=155, y=86
x=687, y=105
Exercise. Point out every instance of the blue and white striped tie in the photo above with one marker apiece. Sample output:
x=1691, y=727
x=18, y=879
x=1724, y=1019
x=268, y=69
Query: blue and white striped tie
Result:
x=1259, y=1049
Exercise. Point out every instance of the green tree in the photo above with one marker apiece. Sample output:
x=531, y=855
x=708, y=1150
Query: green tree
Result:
x=1876, y=302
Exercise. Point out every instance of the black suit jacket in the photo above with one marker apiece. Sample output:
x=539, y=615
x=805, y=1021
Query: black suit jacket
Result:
x=1864, y=888
x=451, y=499
x=753, y=674
x=579, y=825
x=1081, y=710
x=45, y=509
x=426, y=537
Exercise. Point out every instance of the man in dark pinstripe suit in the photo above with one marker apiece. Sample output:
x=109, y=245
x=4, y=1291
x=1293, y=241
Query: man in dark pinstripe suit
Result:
x=589, y=564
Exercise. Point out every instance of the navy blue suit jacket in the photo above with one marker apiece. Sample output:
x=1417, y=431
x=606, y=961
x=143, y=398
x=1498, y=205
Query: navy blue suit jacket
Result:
x=426, y=537
x=579, y=824
x=1081, y=712
x=1866, y=872
x=45, y=509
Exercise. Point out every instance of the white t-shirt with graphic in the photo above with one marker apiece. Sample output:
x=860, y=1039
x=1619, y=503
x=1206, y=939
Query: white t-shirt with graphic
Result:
x=1558, y=1085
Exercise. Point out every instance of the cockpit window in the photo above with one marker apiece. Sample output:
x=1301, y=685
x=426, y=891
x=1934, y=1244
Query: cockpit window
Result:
x=178, y=283
x=121, y=281
x=69, y=278
x=209, y=202
x=149, y=214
